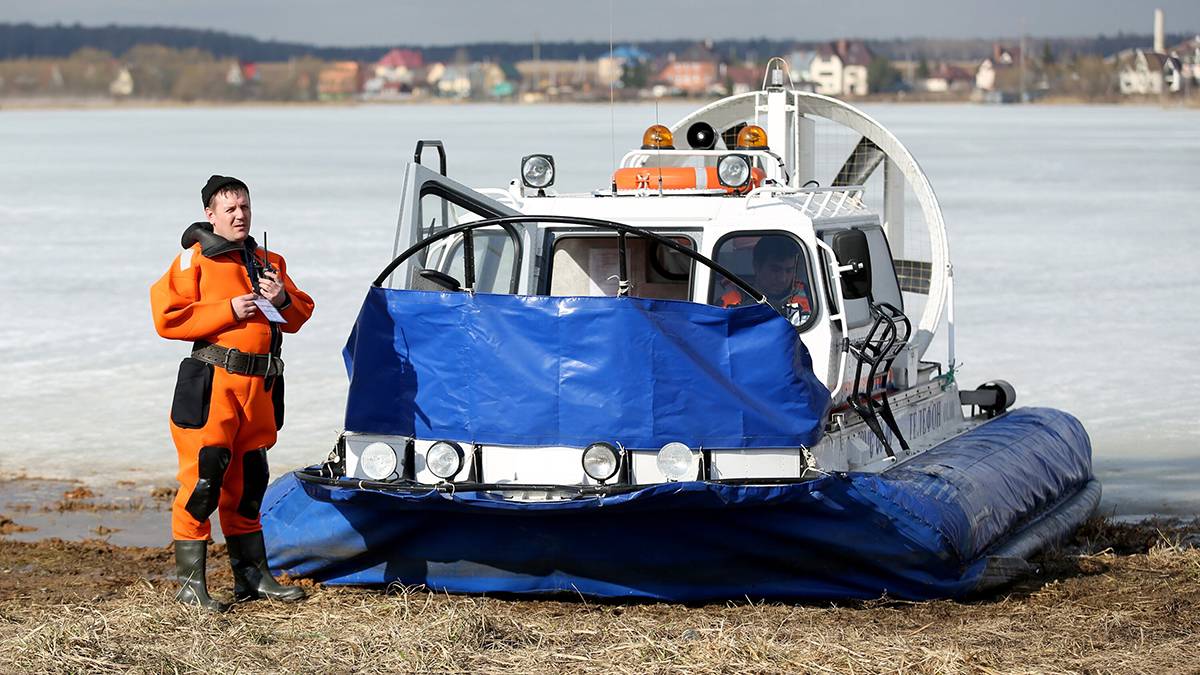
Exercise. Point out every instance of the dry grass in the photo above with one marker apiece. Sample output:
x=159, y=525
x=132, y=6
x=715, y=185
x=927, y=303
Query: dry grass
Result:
x=1096, y=613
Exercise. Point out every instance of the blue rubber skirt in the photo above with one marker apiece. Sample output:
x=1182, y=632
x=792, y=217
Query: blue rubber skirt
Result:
x=924, y=529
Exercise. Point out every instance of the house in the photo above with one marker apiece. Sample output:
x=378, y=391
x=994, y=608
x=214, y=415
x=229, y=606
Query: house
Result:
x=339, y=80
x=985, y=76
x=470, y=80
x=835, y=69
x=800, y=66
x=398, y=66
x=1002, y=59
x=693, y=73
x=856, y=60
x=395, y=75
x=947, y=78
x=560, y=76
x=455, y=81
x=240, y=73
x=123, y=84
x=1149, y=73
x=610, y=69
x=738, y=79
x=825, y=70
x=1188, y=53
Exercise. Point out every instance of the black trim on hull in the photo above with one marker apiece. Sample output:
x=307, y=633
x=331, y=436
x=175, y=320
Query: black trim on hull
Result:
x=1009, y=561
x=319, y=475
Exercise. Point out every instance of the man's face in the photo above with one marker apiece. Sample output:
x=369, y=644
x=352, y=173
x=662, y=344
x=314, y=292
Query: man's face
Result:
x=776, y=277
x=230, y=214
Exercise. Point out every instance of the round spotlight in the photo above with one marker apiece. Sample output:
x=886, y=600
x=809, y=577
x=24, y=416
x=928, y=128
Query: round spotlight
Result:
x=702, y=136
x=601, y=461
x=752, y=137
x=658, y=137
x=537, y=171
x=677, y=461
x=378, y=461
x=444, y=459
x=734, y=171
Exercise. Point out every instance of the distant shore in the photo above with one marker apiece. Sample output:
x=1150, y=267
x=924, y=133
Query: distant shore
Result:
x=106, y=103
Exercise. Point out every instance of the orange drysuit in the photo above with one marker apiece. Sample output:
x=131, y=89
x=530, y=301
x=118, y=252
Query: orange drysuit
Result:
x=222, y=422
x=799, y=297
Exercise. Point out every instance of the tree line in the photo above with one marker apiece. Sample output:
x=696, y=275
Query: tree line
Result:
x=24, y=40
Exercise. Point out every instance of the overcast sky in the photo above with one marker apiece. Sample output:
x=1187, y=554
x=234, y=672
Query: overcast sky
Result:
x=425, y=22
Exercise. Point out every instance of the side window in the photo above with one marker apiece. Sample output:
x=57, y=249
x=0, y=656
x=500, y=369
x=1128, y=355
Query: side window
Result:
x=884, y=282
x=775, y=264
x=437, y=213
x=440, y=265
x=495, y=257
x=588, y=265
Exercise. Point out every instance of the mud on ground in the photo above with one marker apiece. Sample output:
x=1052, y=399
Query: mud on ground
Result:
x=1119, y=598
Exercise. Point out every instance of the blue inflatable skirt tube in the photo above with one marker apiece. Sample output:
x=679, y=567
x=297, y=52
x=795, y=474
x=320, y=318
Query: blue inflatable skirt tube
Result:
x=954, y=520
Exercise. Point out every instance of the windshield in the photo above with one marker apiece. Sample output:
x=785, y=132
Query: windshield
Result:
x=589, y=265
x=775, y=263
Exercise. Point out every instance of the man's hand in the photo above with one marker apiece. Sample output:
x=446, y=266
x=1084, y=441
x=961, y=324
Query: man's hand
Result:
x=243, y=306
x=272, y=289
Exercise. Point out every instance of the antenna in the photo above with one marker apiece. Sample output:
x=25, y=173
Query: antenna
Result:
x=612, y=105
x=658, y=153
x=266, y=255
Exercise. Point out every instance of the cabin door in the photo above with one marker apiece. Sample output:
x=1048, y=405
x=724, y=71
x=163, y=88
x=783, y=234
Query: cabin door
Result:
x=433, y=203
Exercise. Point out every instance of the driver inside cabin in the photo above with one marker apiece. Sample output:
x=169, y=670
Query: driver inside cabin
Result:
x=778, y=271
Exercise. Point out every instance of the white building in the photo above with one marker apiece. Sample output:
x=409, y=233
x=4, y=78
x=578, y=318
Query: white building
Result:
x=1188, y=53
x=985, y=77
x=234, y=77
x=467, y=80
x=123, y=84
x=398, y=66
x=1002, y=58
x=835, y=69
x=1150, y=73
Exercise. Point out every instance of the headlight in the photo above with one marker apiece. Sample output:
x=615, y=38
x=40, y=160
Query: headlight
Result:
x=444, y=459
x=734, y=171
x=537, y=171
x=677, y=461
x=601, y=461
x=378, y=461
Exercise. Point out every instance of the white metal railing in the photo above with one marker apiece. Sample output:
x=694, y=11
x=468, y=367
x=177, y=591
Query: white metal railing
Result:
x=830, y=202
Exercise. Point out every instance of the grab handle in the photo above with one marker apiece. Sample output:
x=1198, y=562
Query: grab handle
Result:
x=441, y=153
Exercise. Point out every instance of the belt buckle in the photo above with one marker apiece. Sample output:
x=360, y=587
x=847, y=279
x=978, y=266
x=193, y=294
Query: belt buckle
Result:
x=229, y=355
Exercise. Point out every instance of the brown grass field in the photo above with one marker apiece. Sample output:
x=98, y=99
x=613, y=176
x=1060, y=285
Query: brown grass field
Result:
x=1117, y=599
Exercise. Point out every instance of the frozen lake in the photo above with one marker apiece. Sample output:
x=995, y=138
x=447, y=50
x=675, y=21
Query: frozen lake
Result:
x=1073, y=230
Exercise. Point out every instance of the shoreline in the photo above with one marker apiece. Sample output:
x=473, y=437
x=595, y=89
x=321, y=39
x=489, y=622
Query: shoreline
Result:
x=121, y=513
x=52, y=104
x=126, y=512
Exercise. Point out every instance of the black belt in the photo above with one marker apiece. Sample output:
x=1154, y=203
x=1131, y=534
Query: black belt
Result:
x=238, y=362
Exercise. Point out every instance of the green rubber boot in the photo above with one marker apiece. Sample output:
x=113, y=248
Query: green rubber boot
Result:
x=251, y=578
x=190, y=559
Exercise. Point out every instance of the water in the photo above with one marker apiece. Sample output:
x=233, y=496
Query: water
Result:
x=1073, y=231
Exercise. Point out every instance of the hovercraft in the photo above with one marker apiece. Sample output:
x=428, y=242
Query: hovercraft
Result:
x=711, y=378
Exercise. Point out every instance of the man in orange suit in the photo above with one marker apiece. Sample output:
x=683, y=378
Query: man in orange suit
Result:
x=233, y=301
x=778, y=274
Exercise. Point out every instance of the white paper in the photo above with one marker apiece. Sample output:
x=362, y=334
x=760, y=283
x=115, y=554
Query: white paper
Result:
x=268, y=310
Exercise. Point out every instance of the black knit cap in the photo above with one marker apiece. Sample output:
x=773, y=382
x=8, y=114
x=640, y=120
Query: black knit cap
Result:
x=217, y=183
